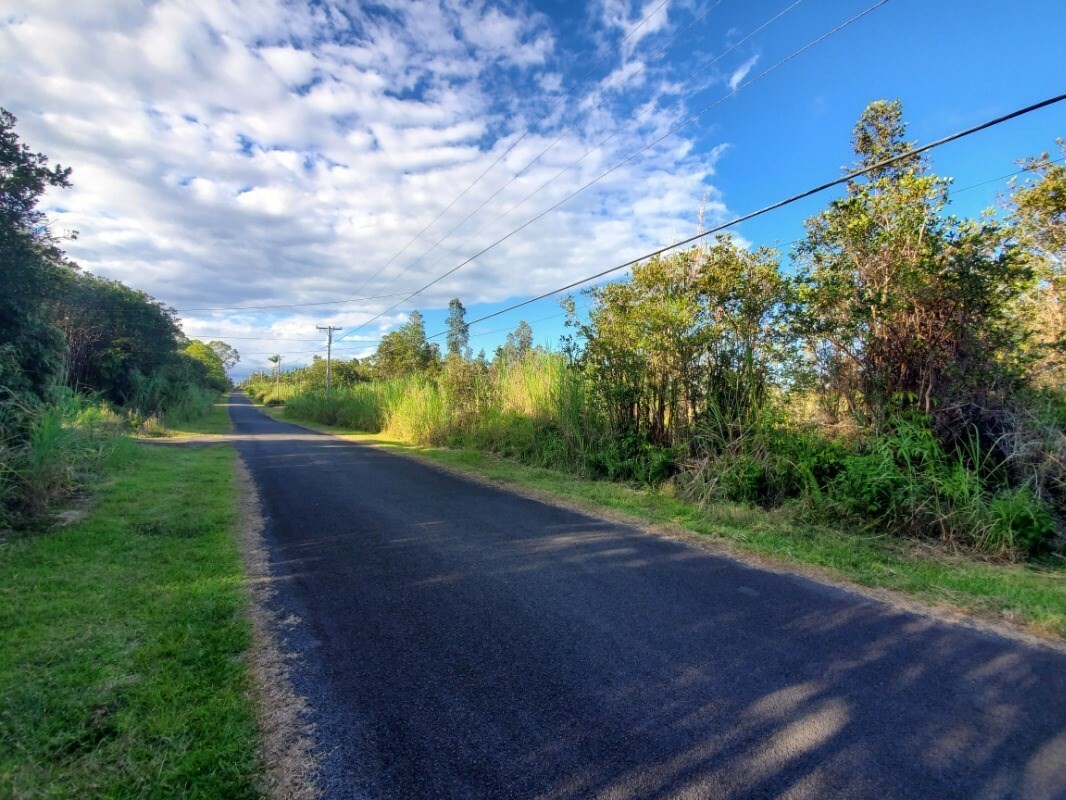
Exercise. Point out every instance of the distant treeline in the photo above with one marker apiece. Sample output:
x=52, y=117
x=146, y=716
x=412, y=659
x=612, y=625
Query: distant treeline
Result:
x=76, y=350
x=905, y=371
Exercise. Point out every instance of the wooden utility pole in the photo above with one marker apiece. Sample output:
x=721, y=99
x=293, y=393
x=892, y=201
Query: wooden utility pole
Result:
x=276, y=361
x=329, y=351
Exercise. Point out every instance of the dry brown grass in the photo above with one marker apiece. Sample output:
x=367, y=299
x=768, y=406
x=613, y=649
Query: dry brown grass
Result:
x=286, y=735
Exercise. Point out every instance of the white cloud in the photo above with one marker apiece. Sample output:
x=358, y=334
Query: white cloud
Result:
x=245, y=152
x=740, y=73
x=294, y=67
x=634, y=21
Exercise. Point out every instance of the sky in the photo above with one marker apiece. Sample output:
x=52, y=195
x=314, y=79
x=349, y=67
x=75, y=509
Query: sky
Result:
x=270, y=167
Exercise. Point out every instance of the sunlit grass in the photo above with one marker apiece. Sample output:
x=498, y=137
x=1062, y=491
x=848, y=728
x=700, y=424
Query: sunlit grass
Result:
x=214, y=421
x=120, y=664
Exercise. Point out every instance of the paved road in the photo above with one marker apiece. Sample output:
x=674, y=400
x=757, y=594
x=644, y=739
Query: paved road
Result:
x=460, y=641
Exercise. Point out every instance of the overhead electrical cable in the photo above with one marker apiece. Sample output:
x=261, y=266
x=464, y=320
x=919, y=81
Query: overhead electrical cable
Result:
x=688, y=120
x=1002, y=177
x=779, y=204
x=642, y=65
x=629, y=123
x=513, y=145
x=765, y=209
x=363, y=343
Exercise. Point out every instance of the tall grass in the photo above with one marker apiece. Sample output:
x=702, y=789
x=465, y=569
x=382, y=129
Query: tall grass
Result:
x=902, y=481
x=49, y=450
x=541, y=412
x=157, y=400
x=535, y=410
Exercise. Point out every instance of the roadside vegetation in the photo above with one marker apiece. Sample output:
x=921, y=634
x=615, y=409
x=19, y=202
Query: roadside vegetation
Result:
x=120, y=665
x=122, y=597
x=83, y=360
x=898, y=375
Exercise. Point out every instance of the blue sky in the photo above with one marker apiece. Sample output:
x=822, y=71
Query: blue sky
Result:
x=238, y=153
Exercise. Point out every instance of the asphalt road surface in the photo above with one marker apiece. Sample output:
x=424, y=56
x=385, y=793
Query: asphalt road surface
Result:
x=460, y=641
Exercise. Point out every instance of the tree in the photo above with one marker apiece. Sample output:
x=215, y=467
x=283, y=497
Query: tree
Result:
x=227, y=354
x=519, y=342
x=342, y=374
x=1037, y=219
x=115, y=336
x=905, y=308
x=458, y=331
x=61, y=326
x=31, y=268
x=405, y=351
x=1038, y=207
x=214, y=368
x=276, y=361
x=693, y=339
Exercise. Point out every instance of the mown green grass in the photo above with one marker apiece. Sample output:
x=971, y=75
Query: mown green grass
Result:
x=215, y=421
x=1031, y=595
x=121, y=671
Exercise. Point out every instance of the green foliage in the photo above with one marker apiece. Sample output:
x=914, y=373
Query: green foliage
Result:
x=519, y=342
x=1038, y=207
x=121, y=666
x=117, y=335
x=214, y=370
x=405, y=351
x=458, y=331
x=227, y=354
x=32, y=267
x=691, y=341
x=905, y=308
x=1037, y=218
x=49, y=449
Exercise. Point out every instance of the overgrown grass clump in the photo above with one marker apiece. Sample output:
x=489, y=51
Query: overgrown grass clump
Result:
x=120, y=665
x=48, y=450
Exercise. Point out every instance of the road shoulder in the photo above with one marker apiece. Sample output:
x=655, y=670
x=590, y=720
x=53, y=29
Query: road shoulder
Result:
x=287, y=744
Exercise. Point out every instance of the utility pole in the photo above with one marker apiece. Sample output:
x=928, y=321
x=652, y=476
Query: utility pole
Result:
x=329, y=351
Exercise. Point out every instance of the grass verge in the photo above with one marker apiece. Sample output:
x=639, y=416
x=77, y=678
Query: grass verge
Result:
x=214, y=422
x=121, y=669
x=1030, y=596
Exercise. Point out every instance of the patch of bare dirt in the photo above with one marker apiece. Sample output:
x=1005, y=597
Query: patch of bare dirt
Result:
x=287, y=746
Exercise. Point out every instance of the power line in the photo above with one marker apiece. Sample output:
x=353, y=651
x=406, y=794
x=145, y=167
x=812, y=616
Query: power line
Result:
x=764, y=210
x=622, y=163
x=291, y=305
x=513, y=145
x=572, y=126
x=779, y=204
x=1003, y=177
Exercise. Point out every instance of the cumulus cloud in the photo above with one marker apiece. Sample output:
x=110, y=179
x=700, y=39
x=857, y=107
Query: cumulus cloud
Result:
x=245, y=152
